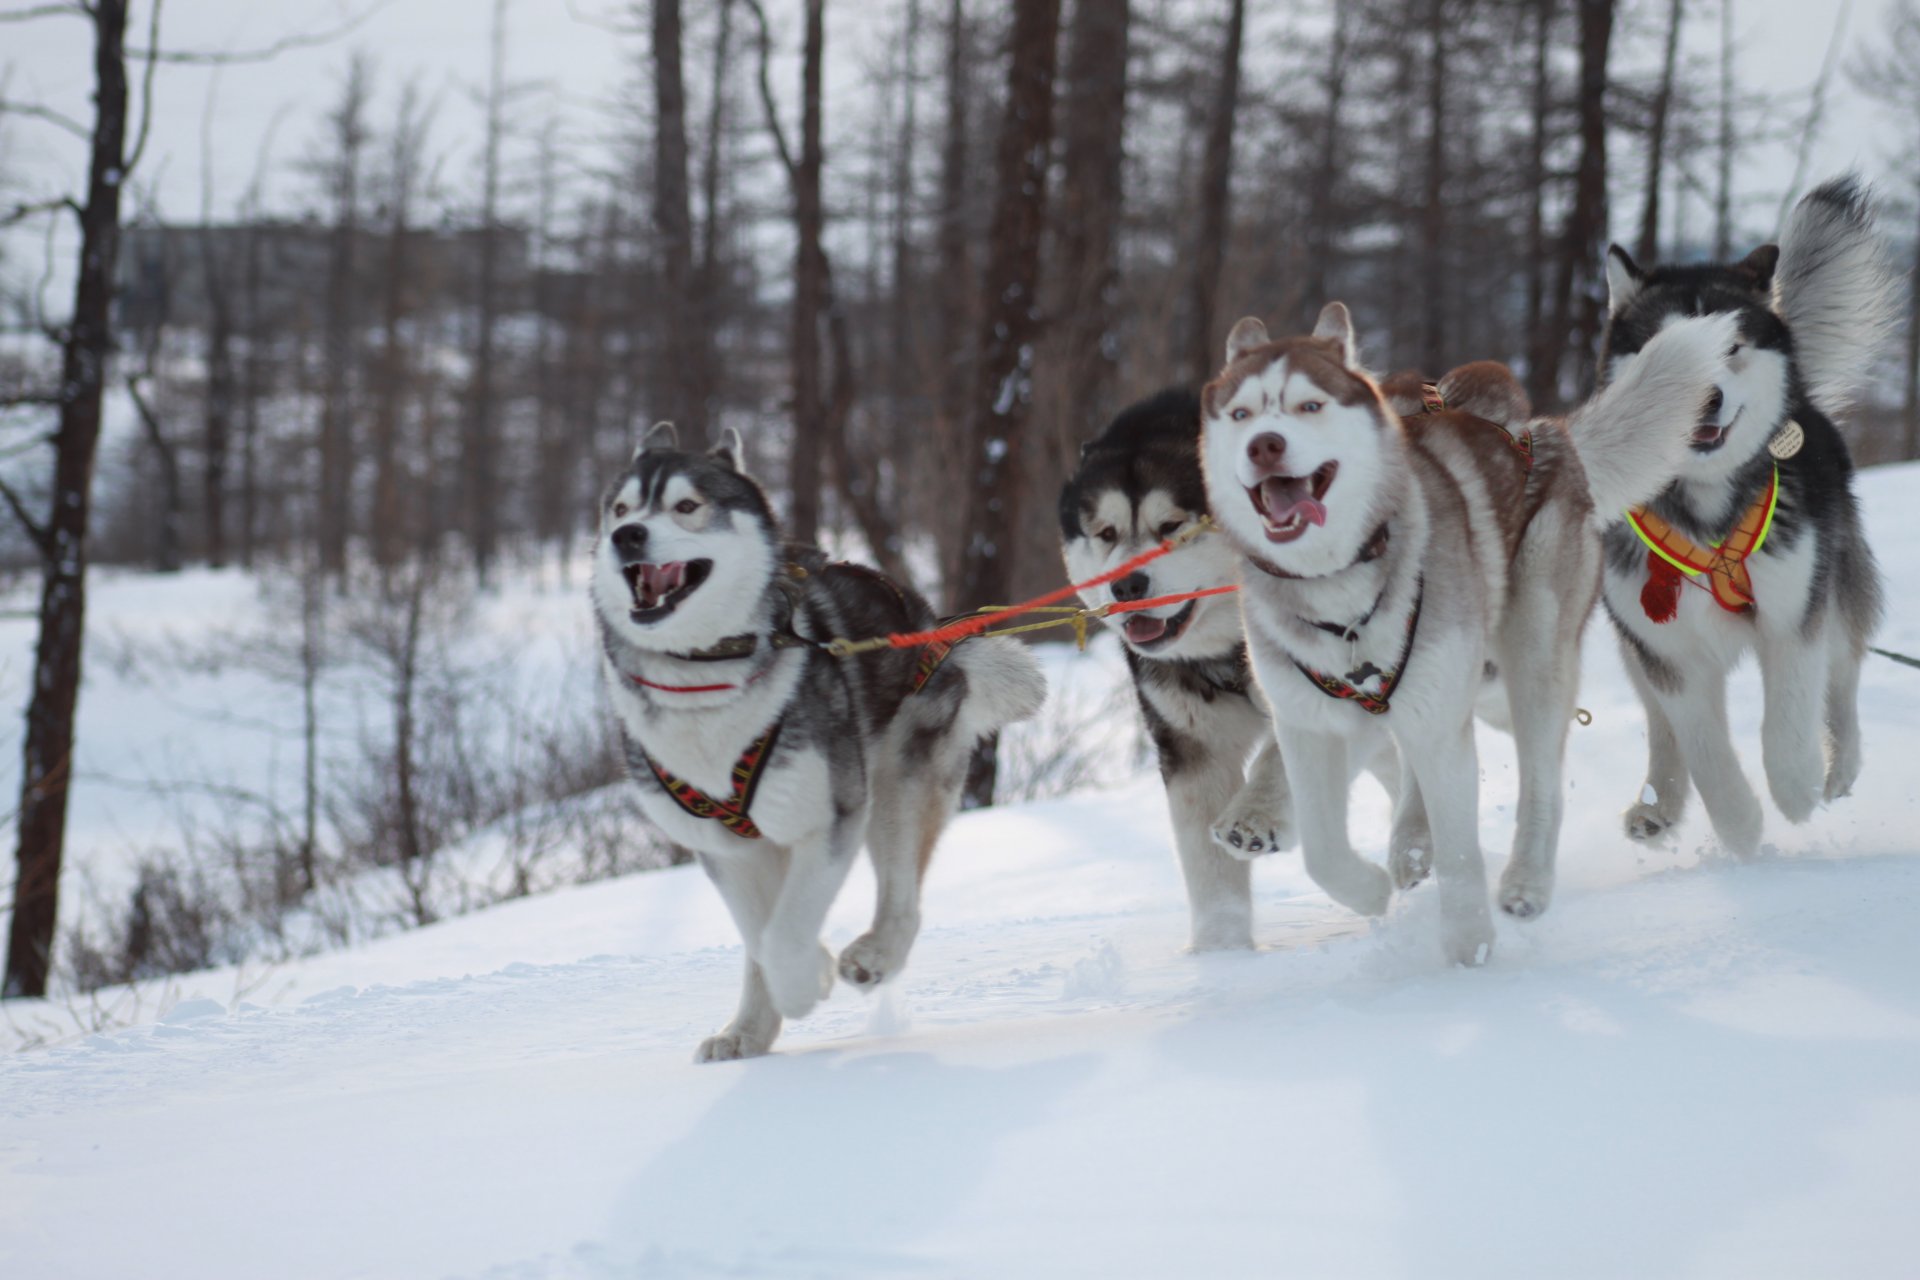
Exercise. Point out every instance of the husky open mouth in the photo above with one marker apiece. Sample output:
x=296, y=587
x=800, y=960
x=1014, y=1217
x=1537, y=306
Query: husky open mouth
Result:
x=1288, y=504
x=658, y=589
x=1710, y=435
x=1144, y=632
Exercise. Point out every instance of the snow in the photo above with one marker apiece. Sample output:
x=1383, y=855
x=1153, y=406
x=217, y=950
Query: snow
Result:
x=1691, y=1066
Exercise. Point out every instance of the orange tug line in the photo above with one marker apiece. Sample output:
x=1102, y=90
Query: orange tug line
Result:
x=979, y=622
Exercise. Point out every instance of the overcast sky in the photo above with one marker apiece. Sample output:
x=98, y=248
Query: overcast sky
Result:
x=576, y=67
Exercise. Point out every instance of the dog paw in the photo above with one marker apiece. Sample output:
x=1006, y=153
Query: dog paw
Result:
x=1841, y=775
x=730, y=1046
x=1652, y=816
x=1796, y=787
x=1411, y=865
x=1467, y=943
x=1524, y=896
x=799, y=980
x=1358, y=886
x=866, y=963
x=1249, y=828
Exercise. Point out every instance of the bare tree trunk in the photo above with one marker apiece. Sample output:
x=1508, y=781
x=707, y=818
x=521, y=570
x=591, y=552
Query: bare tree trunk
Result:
x=387, y=536
x=809, y=296
x=1322, y=199
x=1647, y=247
x=1433, y=213
x=252, y=387
x=682, y=380
x=342, y=322
x=47, y=759
x=954, y=301
x=218, y=436
x=708, y=300
x=1536, y=178
x=1003, y=380
x=1216, y=190
x=1723, y=193
x=1575, y=321
x=167, y=557
x=1094, y=109
x=480, y=448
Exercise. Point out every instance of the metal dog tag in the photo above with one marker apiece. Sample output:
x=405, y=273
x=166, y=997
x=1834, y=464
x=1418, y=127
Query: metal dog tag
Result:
x=1788, y=441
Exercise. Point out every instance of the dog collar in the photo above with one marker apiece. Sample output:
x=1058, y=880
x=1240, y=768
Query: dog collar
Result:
x=1373, y=549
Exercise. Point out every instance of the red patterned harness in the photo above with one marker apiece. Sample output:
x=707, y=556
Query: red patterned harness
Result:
x=1374, y=704
x=731, y=813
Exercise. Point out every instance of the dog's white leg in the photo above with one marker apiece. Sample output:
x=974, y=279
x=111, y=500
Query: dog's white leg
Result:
x=1698, y=714
x=911, y=806
x=1259, y=818
x=1540, y=659
x=798, y=969
x=1843, y=717
x=1317, y=769
x=1448, y=773
x=1410, y=846
x=1219, y=879
x=1794, y=673
x=748, y=884
x=1663, y=797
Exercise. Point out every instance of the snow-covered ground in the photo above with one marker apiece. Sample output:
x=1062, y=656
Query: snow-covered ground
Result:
x=1689, y=1067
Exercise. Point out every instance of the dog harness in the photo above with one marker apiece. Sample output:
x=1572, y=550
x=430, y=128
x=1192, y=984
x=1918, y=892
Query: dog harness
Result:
x=1374, y=704
x=1431, y=401
x=731, y=813
x=1670, y=555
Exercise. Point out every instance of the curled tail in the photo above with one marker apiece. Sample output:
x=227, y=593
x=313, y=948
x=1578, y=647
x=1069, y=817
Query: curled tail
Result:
x=1487, y=389
x=1834, y=288
x=1004, y=684
x=1633, y=435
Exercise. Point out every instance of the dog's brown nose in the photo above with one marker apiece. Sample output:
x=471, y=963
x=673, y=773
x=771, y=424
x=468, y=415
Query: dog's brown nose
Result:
x=1266, y=450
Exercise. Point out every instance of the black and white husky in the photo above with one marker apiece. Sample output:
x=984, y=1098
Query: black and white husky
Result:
x=1137, y=484
x=1758, y=543
x=1393, y=566
x=766, y=756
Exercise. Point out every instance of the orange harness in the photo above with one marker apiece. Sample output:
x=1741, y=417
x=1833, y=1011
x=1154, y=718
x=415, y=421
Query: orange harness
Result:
x=1671, y=555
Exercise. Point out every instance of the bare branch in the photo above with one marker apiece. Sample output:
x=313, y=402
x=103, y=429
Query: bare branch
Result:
x=146, y=95
x=21, y=212
x=216, y=57
x=34, y=529
x=766, y=91
x=32, y=11
x=34, y=111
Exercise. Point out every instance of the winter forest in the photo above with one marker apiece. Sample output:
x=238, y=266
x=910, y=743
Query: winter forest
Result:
x=323, y=327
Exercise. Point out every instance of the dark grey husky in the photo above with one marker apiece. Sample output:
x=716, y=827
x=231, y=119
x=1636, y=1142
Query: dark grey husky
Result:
x=763, y=754
x=1758, y=545
x=1137, y=484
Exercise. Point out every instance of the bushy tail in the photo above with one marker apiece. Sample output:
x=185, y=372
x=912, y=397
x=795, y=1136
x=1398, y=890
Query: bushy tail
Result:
x=1835, y=289
x=1487, y=389
x=1004, y=684
x=1632, y=436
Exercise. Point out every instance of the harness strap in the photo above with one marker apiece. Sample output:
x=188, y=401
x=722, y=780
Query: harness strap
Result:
x=730, y=813
x=1432, y=401
x=1670, y=554
x=1374, y=704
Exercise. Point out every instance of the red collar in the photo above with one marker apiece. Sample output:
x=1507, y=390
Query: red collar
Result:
x=645, y=683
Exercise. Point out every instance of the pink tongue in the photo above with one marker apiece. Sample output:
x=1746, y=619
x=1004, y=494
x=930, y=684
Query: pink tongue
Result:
x=656, y=580
x=1144, y=630
x=1283, y=498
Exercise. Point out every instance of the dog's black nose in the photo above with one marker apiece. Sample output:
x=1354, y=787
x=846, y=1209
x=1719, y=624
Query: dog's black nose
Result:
x=1266, y=449
x=630, y=539
x=1130, y=588
x=1714, y=403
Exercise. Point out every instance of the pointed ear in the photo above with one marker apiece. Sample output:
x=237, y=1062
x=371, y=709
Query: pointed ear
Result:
x=1247, y=334
x=661, y=435
x=1624, y=280
x=731, y=449
x=1760, y=264
x=1336, y=324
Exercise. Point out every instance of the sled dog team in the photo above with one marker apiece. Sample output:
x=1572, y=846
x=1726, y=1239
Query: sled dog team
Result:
x=1409, y=556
